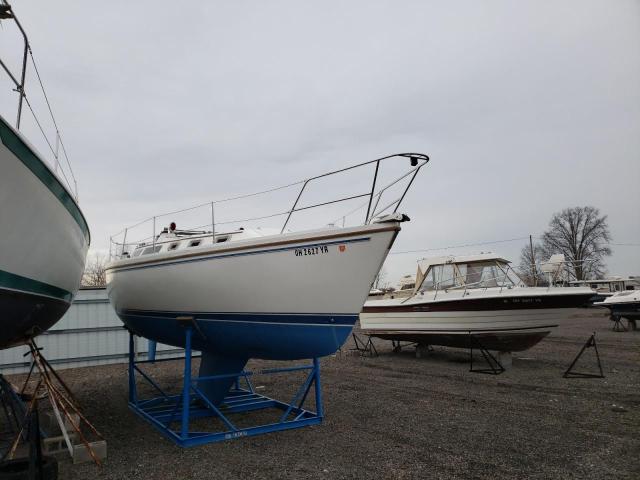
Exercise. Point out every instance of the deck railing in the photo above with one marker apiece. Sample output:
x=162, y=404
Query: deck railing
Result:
x=55, y=145
x=121, y=243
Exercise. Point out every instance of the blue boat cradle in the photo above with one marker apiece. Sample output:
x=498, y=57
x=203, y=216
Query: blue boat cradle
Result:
x=172, y=415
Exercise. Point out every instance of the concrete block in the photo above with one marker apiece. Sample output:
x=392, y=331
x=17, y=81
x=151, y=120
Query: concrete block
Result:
x=82, y=455
x=57, y=445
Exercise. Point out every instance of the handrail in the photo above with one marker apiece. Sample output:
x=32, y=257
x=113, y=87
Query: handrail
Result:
x=417, y=161
x=6, y=12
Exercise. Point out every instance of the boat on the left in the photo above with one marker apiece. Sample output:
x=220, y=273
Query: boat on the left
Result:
x=45, y=234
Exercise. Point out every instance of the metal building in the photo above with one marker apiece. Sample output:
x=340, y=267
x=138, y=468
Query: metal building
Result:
x=90, y=333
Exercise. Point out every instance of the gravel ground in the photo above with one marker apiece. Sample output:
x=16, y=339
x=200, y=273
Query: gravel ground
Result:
x=396, y=416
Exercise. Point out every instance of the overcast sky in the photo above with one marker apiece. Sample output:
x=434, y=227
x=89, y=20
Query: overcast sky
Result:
x=525, y=107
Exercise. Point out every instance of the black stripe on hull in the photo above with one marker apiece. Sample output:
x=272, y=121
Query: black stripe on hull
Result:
x=524, y=302
x=24, y=316
x=499, y=341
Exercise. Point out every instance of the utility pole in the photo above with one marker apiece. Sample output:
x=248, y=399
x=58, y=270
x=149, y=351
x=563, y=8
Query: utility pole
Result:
x=533, y=262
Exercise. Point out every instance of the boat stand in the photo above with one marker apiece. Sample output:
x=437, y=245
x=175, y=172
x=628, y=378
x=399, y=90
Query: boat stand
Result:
x=363, y=347
x=494, y=367
x=172, y=415
x=397, y=345
x=591, y=343
x=618, y=326
x=14, y=414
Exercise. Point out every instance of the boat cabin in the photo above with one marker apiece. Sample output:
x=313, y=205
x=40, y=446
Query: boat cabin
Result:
x=407, y=283
x=465, y=272
x=171, y=239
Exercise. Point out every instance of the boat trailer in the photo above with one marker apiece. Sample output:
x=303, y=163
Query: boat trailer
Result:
x=173, y=415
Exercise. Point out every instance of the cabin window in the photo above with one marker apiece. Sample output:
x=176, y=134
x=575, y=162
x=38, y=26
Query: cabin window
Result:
x=173, y=246
x=221, y=239
x=408, y=286
x=149, y=250
x=445, y=276
x=429, y=280
x=194, y=243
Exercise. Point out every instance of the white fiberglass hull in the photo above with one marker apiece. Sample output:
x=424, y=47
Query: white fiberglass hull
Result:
x=44, y=242
x=289, y=296
x=512, y=320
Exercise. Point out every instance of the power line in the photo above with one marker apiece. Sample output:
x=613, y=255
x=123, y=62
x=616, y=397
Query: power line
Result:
x=460, y=246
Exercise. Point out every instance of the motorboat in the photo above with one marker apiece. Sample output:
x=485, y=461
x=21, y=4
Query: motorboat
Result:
x=261, y=293
x=456, y=298
x=46, y=236
x=623, y=305
x=607, y=287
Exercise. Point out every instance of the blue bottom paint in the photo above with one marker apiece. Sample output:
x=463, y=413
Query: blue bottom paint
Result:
x=244, y=336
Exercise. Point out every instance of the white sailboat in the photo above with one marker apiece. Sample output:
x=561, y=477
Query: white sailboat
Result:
x=45, y=235
x=254, y=293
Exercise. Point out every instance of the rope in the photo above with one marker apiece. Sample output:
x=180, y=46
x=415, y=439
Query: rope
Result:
x=46, y=139
x=53, y=118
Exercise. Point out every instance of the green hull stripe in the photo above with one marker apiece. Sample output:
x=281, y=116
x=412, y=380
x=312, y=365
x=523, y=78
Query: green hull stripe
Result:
x=24, y=284
x=21, y=150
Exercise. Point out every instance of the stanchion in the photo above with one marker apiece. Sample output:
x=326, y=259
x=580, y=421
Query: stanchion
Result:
x=364, y=347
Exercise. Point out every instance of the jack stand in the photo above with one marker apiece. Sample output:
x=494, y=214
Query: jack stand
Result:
x=14, y=411
x=397, y=345
x=65, y=409
x=423, y=350
x=591, y=342
x=35, y=444
x=172, y=414
x=363, y=347
x=494, y=366
x=618, y=326
x=33, y=465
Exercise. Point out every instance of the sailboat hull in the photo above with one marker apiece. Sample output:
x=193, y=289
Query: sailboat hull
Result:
x=43, y=246
x=286, y=297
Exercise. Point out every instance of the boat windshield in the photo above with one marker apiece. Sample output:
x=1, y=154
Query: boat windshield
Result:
x=480, y=274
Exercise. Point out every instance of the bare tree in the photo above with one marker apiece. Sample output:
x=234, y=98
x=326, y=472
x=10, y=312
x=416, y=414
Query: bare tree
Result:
x=582, y=235
x=95, y=271
x=529, y=267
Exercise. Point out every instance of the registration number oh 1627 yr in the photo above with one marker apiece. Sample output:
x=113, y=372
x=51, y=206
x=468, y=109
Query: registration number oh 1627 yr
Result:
x=311, y=250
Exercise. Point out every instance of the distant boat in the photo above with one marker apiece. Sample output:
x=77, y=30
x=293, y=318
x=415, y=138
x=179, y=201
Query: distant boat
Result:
x=606, y=287
x=45, y=235
x=254, y=293
x=623, y=305
x=481, y=295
